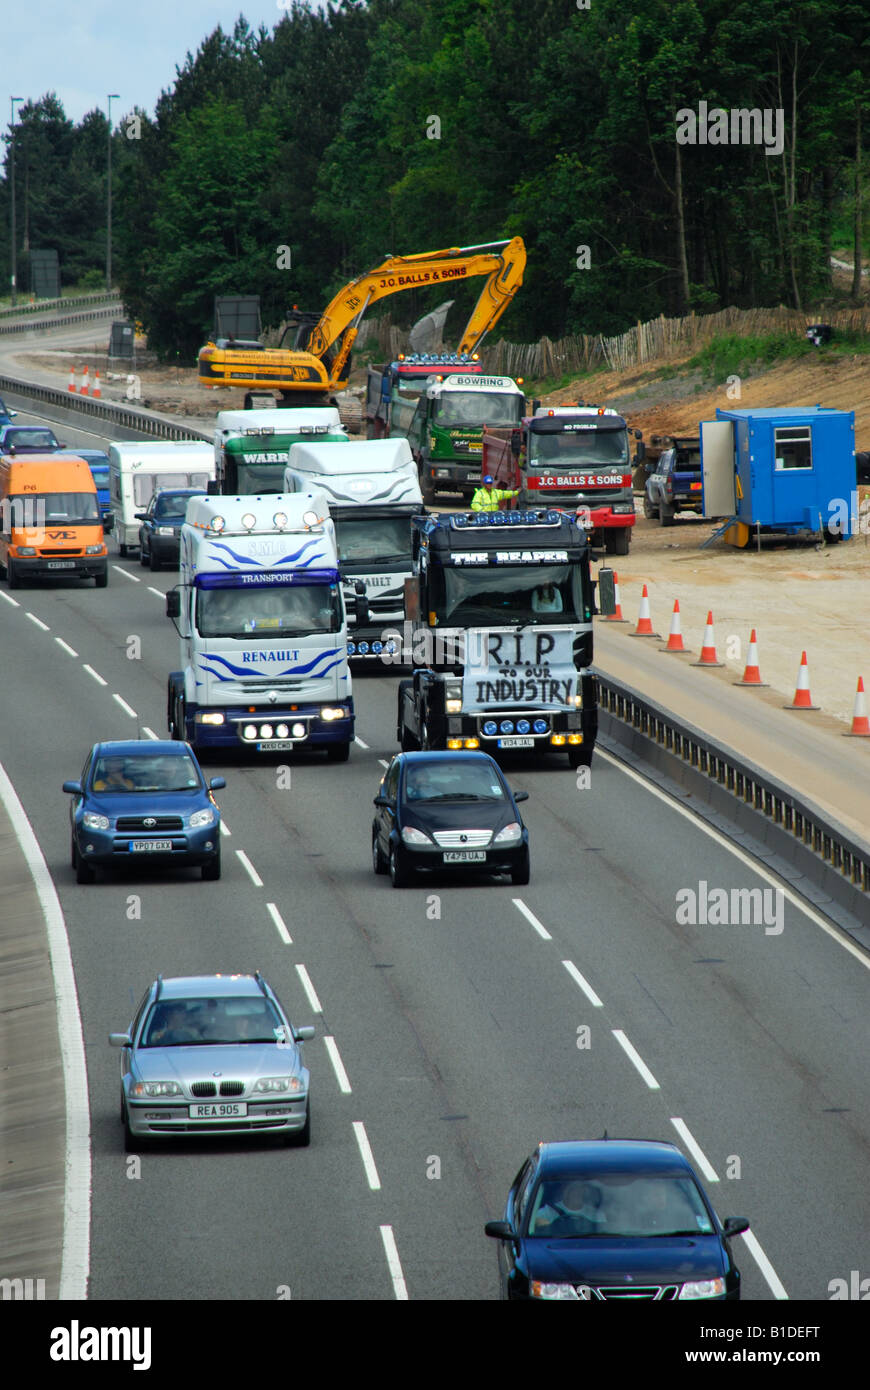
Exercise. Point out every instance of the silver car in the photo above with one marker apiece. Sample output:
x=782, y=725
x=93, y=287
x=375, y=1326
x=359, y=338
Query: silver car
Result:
x=212, y=1055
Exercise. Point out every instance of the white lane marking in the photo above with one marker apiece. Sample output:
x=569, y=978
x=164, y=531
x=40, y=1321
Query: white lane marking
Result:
x=9, y=598
x=124, y=706
x=530, y=917
x=158, y=592
x=695, y=1149
x=341, y=1075
x=754, y=864
x=91, y=672
x=127, y=575
x=635, y=1057
x=61, y=643
x=273, y=912
x=777, y=1288
x=225, y=829
x=360, y=742
x=75, y=1256
x=394, y=1264
x=583, y=983
x=383, y=762
x=249, y=868
x=366, y=1155
x=311, y=993
x=39, y=623
x=150, y=732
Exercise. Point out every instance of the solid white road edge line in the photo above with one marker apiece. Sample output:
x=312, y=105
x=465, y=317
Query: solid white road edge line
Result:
x=310, y=991
x=368, y=1158
x=75, y=1256
x=279, y=923
x=583, y=983
x=394, y=1264
x=249, y=868
x=341, y=1075
x=530, y=917
x=695, y=1149
x=754, y=864
x=635, y=1057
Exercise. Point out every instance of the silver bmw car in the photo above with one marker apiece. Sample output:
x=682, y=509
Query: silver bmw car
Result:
x=212, y=1055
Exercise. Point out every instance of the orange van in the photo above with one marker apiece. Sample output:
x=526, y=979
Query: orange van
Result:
x=50, y=520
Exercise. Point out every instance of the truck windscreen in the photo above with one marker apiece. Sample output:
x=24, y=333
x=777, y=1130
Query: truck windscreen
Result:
x=56, y=509
x=478, y=408
x=284, y=611
x=373, y=538
x=580, y=449
x=509, y=594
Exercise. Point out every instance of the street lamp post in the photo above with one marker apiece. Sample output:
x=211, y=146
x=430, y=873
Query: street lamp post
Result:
x=111, y=96
x=12, y=101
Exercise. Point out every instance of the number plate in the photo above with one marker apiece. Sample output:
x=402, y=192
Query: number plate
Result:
x=516, y=743
x=465, y=856
x=218, y=1111
x=151, y=846
x=275, y=745
x=61, y=565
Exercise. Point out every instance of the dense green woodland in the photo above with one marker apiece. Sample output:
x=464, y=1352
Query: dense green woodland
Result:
x=556, y=122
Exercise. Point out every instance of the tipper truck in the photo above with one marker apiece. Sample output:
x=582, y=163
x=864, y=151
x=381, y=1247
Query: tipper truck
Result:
x=261, y=618
x=373, y=491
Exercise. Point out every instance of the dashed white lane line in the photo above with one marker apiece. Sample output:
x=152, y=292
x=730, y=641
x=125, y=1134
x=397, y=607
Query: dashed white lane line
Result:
x=360, y=742
x=150, y=732
x=279, y=923
x=127, y=575
x=368, y=1158
x=394, y=1264
x=634, y=1056
x=39, y=623
x=583, y=983
x=777, y=1288
x=9, y=599
x=383, y=762
x=124, y=706
x=225, y=829
x=61, y=643
x=158, y=593
x=249, y=868
x=96, y=675
x=311, y=993
x=341, y=1075
x=530, y=917
x=695, y=1149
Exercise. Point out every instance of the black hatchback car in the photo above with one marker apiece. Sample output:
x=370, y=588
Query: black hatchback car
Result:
x=160, y=532
x=438, y=812
x=613, y=1219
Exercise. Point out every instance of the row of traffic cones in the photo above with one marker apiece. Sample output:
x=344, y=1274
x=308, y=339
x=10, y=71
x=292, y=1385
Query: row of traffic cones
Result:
x=751, y=674
x=85, y=388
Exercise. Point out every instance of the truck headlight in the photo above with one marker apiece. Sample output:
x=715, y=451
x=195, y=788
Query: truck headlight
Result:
x=453, y=697
x=95, y=549
x=209, y=717
x=25, y=550
x=330, y=713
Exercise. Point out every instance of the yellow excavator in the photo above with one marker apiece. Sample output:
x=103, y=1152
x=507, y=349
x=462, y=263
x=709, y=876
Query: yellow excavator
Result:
x=317, y=362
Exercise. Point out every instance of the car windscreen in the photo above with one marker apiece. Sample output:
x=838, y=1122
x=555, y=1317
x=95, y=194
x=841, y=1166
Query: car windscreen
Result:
x=209, y=1022
x=451, y=781
x=373, y=538
x=172, y=506
x=29, y=439
x=285, y=610
x=618, y=1205
x=579, y=449
x=158, y=772
x=57, y=508
x=478, y=408
x=512, y=594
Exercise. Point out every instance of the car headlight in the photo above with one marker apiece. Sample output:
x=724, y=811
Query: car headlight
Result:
x=201, y=818
x=566, y=1291
x=166, y=530
x=94, y=549
x=91, y=821
x=412, y=836
x=278, y=1083
x=160, y=1088
x=703, y=1288
x=511, y=834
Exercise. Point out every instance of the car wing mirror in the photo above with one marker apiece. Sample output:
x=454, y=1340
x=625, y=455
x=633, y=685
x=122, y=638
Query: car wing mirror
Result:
x=74, y=788
x=521, y=796
x=383, y=801
x=735, y=1226
x=216, y=784
x=304, y=1034
x=500, y=1230
x=120, y=1040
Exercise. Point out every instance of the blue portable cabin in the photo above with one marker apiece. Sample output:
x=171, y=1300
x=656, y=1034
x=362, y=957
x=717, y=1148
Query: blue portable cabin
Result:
x=794, y=469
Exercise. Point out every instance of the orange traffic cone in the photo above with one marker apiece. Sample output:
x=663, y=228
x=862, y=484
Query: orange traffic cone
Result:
x=708, y=655
x=802, y=698
x=72, y=380
x=616, y=617
x=751, y=674
x=96, y=393
x=644, y=622
x=860, y=722
x=675, y=636
x=85, y=388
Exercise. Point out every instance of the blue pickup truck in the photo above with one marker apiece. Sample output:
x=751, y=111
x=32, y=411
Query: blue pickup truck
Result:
x=674, y=481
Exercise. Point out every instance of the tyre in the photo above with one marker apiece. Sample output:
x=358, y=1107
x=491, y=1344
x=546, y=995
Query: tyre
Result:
x=143, y=558
x=580, y=755
x=667, y=512
x=84, y=872
x=301, y=1138
x=73, y=852
x=153, y=560
x=12, y=576
x=520, y=875
x=122, y=550
x=407, y=741
x=427, y=491
x=649, y=510
x=399, y=875
x=617, y=540
x=176, y=719
x=379, y=863
x=212, y=870
x=101, y=580
x=133, y=1144
x=338, y=752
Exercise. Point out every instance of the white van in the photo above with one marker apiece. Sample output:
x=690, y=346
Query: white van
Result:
x=137, y=471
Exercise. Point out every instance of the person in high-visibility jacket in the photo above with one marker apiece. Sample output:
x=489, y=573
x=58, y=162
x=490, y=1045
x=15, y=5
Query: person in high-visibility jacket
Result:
x=487, y=497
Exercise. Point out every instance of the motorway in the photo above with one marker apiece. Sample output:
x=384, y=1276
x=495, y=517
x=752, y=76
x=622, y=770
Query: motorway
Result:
x=453, y=1009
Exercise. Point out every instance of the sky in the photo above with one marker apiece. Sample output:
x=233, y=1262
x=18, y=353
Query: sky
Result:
x=84, y=49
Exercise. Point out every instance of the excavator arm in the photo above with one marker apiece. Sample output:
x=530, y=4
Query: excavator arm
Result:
x=334, y=333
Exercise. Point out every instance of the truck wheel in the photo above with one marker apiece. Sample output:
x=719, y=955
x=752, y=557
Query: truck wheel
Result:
x=338, y=752
x=427, y=491
x=406, y=740
x=580, y=755
x=617, y=540
x=122, y=550
x=176, y=719
x=667, y=513
x=649, y=510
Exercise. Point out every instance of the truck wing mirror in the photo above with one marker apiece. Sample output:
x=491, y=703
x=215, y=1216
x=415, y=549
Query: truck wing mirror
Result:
x=173, y=604
x=212, y=487
x=412, y=599
x=640, y=452
x=606, y=592
x=516, y=443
